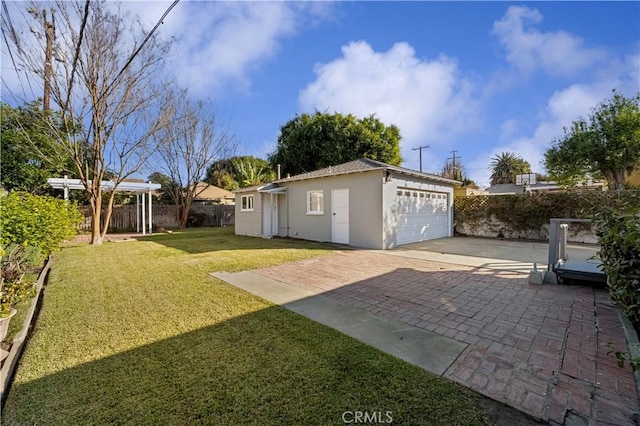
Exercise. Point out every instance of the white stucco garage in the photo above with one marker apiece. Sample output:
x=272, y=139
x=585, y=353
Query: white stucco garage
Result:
x=364, y=203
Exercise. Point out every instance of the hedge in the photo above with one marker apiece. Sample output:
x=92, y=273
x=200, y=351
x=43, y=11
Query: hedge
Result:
x=41, y=222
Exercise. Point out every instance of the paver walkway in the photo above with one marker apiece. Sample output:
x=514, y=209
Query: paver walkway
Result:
x=541, y=349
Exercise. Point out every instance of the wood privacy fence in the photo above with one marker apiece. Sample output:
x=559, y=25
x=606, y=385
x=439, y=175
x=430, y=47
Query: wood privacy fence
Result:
x=123, y=218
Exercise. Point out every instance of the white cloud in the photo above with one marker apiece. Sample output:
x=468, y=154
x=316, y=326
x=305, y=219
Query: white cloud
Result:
x=428, y=100
x=217, y=44
x=529, y=49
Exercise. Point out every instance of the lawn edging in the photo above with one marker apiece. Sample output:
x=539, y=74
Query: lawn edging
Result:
x=9, y=367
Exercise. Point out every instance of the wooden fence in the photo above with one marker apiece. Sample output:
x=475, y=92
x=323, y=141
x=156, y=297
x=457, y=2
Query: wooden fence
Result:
x=123, y=218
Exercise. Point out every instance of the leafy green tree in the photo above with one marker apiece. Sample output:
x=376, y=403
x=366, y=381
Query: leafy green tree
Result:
x=28, y=152
x=607, y=144
x=251, y=173
x=310, y=142
x=505, y=166
x=239, y=172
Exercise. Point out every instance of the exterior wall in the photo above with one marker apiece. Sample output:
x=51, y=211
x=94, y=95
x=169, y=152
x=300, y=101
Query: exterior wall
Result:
x=365, y=208
x=249, y=223
x=390, y=219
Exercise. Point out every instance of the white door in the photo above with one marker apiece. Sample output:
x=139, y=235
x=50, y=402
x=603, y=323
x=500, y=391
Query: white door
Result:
x=422, y=215
x=274, y=215
x=340, y=216
x=269, y=214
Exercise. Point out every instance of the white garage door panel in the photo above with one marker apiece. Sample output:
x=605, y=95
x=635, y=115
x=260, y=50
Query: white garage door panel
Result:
x=422, y=215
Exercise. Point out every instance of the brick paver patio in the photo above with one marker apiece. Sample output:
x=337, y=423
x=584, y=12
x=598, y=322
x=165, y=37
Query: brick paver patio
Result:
x=541, y=349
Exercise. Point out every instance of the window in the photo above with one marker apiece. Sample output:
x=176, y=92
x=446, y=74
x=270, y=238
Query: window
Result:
x=315, y=202
x=246, y=204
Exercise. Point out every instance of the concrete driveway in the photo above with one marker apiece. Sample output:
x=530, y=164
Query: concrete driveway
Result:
x=491, y=253
x=539, y=348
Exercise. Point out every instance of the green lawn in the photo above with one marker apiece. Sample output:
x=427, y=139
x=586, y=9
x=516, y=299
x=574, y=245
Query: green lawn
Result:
x=138, y=332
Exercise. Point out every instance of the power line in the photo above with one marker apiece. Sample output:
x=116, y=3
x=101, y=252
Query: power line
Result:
x=16, y=41
x=4, y=36
x=77, y=53
x=134, y=54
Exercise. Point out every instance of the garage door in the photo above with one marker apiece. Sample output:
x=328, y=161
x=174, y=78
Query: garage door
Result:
x=422, y=215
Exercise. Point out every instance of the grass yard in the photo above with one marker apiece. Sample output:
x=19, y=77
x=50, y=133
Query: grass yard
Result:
x=137, y=332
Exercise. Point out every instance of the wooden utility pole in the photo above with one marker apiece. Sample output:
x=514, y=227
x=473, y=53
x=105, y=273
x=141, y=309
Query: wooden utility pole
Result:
x=453, y=164
x=421, y=148
x=49, y=32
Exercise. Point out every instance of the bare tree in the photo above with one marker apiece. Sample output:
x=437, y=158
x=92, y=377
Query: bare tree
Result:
x=451, y=171
x=103, y=82
x=186, y=148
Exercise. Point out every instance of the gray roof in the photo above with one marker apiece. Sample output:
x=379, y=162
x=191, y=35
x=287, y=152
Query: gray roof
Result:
x=362, y=165
x=505, y=188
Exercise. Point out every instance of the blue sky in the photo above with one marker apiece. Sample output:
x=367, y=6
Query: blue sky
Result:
x=477, y=77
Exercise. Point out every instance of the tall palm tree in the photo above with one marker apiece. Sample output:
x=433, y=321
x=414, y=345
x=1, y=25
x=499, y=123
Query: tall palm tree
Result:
x=506, y=166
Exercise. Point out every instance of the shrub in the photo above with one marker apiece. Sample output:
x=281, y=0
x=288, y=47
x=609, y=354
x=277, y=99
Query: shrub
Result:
x=41, y=222
x=619, y=236
x=15, y=264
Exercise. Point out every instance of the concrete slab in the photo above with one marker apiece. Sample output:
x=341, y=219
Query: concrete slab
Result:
x=507, y=255
x=467, y=260
x=430, y=351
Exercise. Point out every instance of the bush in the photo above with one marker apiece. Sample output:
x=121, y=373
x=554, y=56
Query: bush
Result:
x=619, y=236
x=15, y=286
x=41, y=222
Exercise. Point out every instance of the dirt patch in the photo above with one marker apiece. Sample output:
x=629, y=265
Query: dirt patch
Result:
x=503, y=415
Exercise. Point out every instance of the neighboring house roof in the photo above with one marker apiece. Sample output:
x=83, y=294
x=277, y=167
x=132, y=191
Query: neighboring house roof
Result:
x=208, y=192
x=362, y=165
x=634, y=178
x=505, y=188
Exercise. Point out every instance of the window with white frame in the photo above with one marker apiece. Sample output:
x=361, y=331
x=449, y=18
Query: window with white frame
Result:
x=246, y=204
x=315, y=202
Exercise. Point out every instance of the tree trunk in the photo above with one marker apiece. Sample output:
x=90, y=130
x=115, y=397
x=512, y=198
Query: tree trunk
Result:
x=107, y=219
x=96, y=216
x=183, y=216
x=615, y=179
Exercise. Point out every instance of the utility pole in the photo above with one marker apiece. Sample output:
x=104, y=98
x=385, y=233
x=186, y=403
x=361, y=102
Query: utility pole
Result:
x=453, y=164
x=49, y=31
x=421, y=148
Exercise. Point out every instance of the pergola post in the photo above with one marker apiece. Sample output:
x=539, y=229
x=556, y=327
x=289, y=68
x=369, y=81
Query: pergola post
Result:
x=144, y=223
x=150, y=216
x=137, y=212
x=66, y=188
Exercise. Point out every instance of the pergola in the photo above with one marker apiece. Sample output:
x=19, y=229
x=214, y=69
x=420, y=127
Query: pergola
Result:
x=140, y=188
